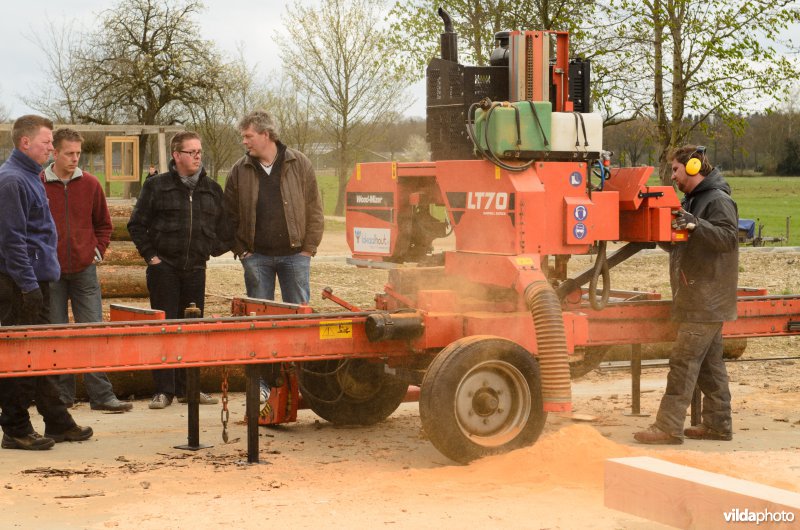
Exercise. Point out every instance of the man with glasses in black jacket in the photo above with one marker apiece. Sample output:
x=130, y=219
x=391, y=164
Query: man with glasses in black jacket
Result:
x=176, y=225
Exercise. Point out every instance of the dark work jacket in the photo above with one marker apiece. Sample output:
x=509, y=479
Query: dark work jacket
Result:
x=704, y=271
x=180, y=226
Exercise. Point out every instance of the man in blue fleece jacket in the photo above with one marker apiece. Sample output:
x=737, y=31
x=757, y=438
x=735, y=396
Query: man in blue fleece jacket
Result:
x=28, y=263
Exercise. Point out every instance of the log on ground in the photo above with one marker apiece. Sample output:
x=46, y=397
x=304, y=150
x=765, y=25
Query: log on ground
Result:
x=122, y=253
x=118, y=281
x=119, y=232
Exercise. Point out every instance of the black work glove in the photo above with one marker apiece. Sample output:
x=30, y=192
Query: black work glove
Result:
x=683, y=220
x=32, y=305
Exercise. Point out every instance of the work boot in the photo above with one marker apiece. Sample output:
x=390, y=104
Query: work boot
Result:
x=76, y=433
x=205, y=399
x=32, y=442
x=114, y=405
x=655, y=436
x=702, y=432
x=160, y=401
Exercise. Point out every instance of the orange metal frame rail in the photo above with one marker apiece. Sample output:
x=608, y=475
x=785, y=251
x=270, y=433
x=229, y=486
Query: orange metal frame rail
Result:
x=649, y=321
x=115, y=346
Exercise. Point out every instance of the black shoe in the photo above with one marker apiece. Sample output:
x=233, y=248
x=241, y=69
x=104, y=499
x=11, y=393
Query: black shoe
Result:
x=114, y=405
x=73, y=434
x=32, y=442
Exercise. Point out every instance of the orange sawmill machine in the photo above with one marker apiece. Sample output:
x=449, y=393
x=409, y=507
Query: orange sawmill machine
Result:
x=488, y=332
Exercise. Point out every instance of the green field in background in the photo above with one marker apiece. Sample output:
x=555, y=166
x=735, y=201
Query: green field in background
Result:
x=328, y=188
x=770, y=200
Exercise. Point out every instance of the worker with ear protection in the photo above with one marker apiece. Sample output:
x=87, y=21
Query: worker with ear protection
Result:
x=703, y=274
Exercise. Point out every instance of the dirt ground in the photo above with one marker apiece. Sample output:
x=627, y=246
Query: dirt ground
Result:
x=315, y=475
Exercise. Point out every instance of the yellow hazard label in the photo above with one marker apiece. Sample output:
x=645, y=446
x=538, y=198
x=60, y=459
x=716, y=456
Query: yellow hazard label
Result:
x=524, y=261
x=336, y=329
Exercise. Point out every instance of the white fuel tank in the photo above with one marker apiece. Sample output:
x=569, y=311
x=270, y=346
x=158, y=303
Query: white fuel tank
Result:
x=567, y=129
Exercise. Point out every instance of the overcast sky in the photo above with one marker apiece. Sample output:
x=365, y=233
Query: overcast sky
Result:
x=229, y=23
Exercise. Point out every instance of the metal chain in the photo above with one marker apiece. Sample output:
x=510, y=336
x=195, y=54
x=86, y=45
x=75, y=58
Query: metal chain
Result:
x=224, y=413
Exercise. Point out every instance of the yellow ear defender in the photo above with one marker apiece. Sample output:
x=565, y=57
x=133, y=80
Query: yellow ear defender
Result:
x=695, y=163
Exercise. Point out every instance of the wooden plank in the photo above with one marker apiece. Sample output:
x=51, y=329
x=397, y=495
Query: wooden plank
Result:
x=686, y=497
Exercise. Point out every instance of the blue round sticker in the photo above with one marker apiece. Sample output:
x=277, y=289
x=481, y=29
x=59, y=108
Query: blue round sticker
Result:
x=579, y=231
x=575, y=178
x=581, y=213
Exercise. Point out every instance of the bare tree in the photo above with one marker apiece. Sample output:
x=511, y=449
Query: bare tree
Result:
x=216, y=118
x=144, y=63
x=338, y=54
x=59, y=96
x=291, y=105
x=630, y=140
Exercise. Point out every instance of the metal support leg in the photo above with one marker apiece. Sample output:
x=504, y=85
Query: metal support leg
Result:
x=251, y=409
x=193, y=403
x=636, y=381
x=697, y=407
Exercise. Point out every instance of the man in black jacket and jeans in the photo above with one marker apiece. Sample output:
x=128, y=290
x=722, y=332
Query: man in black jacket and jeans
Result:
x=177, y=224
x=703, y=274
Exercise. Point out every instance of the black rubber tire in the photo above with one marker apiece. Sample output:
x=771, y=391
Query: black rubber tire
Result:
x=352, y=391
x=452, y=414
x=592, y=357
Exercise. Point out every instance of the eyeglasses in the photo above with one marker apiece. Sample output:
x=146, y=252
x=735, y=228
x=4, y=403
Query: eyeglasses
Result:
x=193, y=154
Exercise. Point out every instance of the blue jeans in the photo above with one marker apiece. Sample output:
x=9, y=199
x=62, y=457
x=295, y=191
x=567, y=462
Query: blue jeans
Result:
x=172, y=290
x=82, y=289
x=293, y=273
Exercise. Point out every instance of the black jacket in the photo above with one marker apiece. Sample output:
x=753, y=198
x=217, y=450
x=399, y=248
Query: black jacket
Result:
x=181, y=227
x=704, y=271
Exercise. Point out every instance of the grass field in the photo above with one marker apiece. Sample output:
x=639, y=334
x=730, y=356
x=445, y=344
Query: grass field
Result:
x=771, y=200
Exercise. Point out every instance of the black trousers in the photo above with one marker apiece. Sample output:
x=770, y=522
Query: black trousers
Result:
x=17, y=393
x=172, y=290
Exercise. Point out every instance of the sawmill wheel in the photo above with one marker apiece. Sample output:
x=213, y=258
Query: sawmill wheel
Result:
x=592, y=357
x=350, y=391
x=482, y=396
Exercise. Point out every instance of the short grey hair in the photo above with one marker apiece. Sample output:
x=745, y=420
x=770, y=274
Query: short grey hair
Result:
x=261, y=121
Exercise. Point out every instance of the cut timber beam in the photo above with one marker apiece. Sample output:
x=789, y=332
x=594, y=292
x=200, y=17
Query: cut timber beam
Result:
x=685, y=497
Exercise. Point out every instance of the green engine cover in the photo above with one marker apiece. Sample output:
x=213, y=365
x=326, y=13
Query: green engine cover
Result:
x=502, y=128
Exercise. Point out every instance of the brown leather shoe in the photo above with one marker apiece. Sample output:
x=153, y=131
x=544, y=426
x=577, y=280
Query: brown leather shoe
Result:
x=32, y=442
x=702, y=432
x=73, y=434
x=655, y=436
